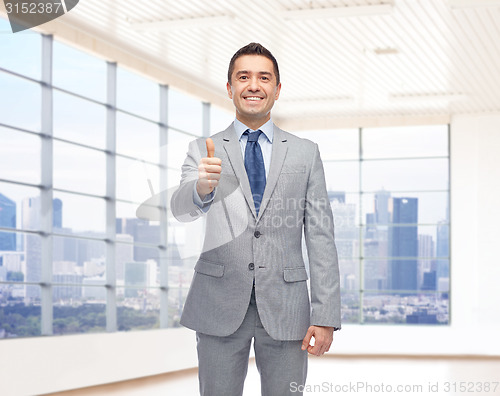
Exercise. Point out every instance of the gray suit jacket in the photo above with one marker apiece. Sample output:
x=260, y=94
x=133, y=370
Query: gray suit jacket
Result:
x=240, y=246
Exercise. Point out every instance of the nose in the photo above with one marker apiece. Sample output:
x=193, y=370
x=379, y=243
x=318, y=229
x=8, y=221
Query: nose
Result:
x=253, y=84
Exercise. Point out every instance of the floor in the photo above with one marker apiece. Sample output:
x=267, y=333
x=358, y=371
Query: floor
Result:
x=342, y=375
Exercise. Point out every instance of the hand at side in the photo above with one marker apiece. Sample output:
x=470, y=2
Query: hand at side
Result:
x=323, y=337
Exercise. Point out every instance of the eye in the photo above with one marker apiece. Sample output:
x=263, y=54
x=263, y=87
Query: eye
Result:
x=243, y=77
x=265, y=78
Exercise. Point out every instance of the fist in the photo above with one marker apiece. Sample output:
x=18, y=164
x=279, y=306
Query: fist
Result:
x=209, y=170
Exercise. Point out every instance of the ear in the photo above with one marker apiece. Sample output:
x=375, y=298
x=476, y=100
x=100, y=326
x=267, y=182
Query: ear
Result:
x=229, y=90
x=278, y=90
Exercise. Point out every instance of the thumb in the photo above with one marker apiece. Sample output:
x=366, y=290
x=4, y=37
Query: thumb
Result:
x=210, y=148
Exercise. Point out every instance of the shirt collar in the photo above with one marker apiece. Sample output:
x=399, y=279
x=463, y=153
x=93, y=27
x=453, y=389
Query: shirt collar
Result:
x=267, y=129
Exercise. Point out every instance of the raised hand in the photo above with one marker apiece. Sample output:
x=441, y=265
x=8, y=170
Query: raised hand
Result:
x=209, y=170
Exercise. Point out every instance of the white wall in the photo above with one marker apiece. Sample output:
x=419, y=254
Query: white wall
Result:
x=38, y=365
x=475, y=214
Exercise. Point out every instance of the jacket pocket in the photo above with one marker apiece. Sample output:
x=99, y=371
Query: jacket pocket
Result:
x=293, y=169
x=208, y=268
x=295, y=274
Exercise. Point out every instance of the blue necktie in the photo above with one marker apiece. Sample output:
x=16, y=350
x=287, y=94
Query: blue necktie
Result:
x=254, y=164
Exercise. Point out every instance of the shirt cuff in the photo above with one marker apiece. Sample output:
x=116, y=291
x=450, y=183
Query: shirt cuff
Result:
x=203, y=204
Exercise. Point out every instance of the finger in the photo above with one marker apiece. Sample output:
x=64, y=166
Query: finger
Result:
x=210, y=148
x=203, y=174
x=213, y=176
x=316, y=348
x=313, y=350
x=327, y=345
x=320, y=351
x=307, y=339
x=211, y=161
x=213, y=168
x=319, y=348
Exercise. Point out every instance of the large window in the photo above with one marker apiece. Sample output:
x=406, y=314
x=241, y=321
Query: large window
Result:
x=389, y=191
x=84, y=143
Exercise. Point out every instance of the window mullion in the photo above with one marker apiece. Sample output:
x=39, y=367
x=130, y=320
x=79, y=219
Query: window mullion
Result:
x=46, y=193
x=111, y=318
x=360, y=235
x=163, y=264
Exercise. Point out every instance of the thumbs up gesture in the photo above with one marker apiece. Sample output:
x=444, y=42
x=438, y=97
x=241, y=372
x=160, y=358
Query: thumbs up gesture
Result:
x=209, y=170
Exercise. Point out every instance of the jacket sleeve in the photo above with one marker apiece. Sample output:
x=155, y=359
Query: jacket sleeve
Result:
x=322, y=253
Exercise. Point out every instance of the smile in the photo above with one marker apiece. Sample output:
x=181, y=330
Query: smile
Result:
x=253, y=98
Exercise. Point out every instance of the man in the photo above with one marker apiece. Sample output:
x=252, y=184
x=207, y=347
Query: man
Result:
x=259, y=187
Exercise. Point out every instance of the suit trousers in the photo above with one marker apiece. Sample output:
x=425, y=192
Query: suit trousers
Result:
x=223, y=361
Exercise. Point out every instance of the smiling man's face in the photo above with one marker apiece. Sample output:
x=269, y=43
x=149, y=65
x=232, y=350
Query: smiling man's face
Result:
x=253, y=89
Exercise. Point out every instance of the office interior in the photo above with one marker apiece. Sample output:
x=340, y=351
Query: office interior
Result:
x=97, y=108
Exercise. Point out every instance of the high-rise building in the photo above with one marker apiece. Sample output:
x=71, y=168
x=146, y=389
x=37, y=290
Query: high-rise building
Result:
x=421, y=317
x=124, y=254
x=173, y=255
x=138, y=275
x=3, y=275
x=71, y=288
x=338, y=196
x=425, y=246
x=346, y=238
x=12, y=261
x=443, y=253
x=94, y=267
x=404, y=244
x=77, y=250
x=7, y=220
x=429, y=281
x=57, y=212
x=141, y=231
x=382, y=207
x=135, y=276
x=426, y=262
x=30, y=215
x=375, y=263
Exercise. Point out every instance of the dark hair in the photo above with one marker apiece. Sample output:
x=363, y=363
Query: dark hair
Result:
x=253, y=49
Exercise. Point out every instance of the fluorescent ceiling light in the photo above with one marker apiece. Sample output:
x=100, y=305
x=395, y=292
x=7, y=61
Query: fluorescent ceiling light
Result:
x=338, y=12
x=386, y=51
x=185, y=23
x=423, y=97
x=457, y=4
x=315, y=104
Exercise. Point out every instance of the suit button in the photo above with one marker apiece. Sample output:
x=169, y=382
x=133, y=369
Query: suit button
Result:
x=257, y=234
x=251, y=266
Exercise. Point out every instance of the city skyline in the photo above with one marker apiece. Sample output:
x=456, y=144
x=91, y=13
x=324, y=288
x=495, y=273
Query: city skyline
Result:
x=397, y=260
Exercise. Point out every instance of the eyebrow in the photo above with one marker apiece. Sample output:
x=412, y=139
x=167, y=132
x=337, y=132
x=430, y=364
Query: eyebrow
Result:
x=248, y=72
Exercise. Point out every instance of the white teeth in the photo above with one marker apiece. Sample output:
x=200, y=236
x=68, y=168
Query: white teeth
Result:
x=253, y=98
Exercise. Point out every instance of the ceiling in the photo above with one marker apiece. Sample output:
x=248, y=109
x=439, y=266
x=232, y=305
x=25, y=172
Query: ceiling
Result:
x=422, y=58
